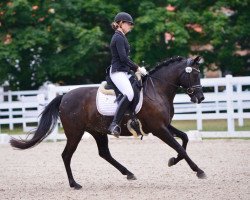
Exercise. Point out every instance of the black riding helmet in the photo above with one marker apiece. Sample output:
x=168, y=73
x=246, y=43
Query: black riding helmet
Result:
x=125, y=17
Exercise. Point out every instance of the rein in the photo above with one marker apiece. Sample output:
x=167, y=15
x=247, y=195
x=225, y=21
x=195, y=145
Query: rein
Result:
x=149, y=77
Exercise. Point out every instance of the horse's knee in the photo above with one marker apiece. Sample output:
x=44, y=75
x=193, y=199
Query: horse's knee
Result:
x=101, y=154
x=104, y=154
x=185, y=138
x=63, y=154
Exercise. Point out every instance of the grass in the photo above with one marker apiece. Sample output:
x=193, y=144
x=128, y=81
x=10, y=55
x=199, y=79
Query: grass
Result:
x=18, y=130
x=211, y=125
x=208, y=125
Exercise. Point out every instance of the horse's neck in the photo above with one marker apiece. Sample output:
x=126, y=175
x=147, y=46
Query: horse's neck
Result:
x=166, y=83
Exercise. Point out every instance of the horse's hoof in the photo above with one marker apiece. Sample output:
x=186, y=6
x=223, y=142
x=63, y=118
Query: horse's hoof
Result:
x=76, y=186
x=171, y=162
x=131, y=177
x=201, y=175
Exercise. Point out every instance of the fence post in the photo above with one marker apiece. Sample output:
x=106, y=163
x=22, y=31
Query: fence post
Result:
x=230, y=109
x=51, y=96
x=216, y=90
x=1, y=100
x=199, y=117
x=11, y=126
x=41, y=102
x=1, y=94
x=240, y=107
x=23, y=115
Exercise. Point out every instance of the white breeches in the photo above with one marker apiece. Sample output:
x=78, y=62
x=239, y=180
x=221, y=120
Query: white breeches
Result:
x=121, y=81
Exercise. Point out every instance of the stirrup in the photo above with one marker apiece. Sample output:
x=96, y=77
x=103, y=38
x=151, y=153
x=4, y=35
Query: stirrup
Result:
x=115, y=130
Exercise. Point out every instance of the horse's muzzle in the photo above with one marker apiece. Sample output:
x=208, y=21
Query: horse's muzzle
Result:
x=197, y=97
x=201, y=99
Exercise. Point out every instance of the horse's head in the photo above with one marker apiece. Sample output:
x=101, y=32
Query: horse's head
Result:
x=190, y=80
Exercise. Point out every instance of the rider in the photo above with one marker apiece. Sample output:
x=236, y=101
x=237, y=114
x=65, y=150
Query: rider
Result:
x=121, y=65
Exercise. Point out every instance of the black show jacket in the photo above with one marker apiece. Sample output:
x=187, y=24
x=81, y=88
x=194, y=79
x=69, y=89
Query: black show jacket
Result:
x=120, y=54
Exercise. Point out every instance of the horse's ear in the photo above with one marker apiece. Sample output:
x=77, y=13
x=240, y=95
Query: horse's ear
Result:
x=197, y=59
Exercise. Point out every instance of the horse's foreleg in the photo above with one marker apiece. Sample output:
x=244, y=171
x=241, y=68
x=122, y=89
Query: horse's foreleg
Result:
x=72, y=143
x=183, y=136
x=102, y=144
x=165, y=135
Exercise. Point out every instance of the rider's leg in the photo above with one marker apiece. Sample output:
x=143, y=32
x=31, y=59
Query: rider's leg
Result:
x=134, y=121
x=123, y=105
x=121, y=80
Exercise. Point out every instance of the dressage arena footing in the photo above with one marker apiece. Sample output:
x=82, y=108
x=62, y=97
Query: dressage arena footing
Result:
x=39, y=173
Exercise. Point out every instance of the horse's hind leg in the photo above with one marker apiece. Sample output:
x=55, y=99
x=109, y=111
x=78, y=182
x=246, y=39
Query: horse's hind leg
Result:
x=102, y=144
x=165, y=135
x=72, y=143
x=183, y=136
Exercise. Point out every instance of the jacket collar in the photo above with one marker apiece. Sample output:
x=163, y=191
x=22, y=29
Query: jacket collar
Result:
x=120, y=33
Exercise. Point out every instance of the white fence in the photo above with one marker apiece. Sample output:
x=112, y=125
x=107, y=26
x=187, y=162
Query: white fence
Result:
x=228, y=99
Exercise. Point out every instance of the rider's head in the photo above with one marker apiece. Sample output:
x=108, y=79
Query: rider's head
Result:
x=123, y=22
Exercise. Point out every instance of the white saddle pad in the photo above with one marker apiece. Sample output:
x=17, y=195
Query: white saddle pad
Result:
x=106, y=106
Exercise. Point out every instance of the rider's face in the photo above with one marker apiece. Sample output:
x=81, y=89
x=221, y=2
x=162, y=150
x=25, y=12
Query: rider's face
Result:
x=127, y=27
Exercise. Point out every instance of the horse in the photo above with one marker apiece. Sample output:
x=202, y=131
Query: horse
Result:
x=78, y=113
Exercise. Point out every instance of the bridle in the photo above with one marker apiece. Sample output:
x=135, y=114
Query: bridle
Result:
x=191, y=88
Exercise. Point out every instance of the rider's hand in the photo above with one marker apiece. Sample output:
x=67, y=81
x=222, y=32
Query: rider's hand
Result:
x=142, y=70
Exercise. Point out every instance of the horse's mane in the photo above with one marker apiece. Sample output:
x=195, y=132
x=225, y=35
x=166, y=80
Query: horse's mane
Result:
x=166, y=63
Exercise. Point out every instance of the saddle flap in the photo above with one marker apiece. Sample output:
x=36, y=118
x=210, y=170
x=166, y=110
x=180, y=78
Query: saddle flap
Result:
x=106, y=104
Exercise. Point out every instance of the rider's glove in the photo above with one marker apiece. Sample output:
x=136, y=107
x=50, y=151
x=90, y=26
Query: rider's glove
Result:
x=143, y=71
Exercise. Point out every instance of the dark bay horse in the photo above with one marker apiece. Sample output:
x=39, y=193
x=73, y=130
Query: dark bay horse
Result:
x=78, y=113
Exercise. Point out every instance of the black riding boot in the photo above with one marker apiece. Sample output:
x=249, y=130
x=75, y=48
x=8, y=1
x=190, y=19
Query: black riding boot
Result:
x=134, y=121
x=114, y=127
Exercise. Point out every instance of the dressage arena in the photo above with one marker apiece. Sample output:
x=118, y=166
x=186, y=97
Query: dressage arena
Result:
x=39, y=173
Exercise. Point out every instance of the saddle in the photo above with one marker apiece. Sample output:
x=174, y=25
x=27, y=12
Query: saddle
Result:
x=108, y=97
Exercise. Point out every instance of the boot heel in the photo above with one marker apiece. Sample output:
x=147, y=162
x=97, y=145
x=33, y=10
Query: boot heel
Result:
x=114, y=130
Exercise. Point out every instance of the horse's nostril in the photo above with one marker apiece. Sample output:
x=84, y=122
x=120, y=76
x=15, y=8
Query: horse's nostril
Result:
x=201, y=99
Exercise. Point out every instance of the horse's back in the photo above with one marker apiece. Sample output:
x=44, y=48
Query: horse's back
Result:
x=76, y=100
x=80, y=94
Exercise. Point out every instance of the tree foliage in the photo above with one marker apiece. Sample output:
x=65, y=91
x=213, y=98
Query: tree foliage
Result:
x=67, y=41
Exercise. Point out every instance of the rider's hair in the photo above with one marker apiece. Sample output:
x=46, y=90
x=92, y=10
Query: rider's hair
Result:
x=115, y=25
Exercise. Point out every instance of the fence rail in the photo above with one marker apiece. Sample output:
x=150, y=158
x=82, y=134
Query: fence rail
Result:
x=228, y=98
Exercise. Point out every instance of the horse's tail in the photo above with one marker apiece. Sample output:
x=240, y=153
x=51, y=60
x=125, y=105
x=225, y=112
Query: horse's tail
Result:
x=46, y=125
